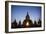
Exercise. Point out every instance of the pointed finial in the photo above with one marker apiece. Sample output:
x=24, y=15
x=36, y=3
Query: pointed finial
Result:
x=27, y=12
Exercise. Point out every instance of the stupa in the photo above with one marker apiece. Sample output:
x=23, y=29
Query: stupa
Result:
x=27, y=22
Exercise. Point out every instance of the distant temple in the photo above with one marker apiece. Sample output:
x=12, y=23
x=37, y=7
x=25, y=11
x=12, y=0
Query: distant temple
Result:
x=26, y=23
x=14, y=24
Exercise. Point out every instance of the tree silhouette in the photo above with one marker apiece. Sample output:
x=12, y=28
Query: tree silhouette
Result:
x=35, y=24
x=39, y=23
x=19, y=25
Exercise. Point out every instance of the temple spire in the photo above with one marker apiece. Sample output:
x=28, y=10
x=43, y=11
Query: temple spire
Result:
x=27, y=13
x=27, y=16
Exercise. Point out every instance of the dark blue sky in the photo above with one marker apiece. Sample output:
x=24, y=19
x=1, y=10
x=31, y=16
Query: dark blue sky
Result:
x=19, y=12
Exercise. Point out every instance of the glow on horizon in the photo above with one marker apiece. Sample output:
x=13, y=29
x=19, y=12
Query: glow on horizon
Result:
x=20, y=12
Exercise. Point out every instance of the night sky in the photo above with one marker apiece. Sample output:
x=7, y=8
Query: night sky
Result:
x=20, y=12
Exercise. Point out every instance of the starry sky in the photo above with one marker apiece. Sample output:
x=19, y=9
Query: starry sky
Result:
x=19, y=12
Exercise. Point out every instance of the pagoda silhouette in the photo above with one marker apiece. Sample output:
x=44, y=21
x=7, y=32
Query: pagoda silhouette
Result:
x=14, y=24
x=27, y=23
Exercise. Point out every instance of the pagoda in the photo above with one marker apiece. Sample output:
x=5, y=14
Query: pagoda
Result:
x=27, y=22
